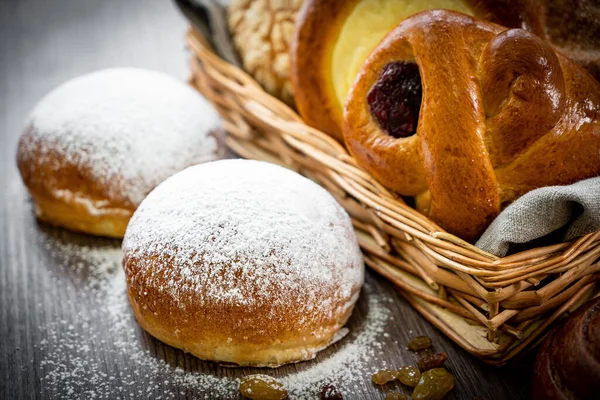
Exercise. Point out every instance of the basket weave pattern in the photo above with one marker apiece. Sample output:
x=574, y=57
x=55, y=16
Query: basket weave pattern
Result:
x=493, y=307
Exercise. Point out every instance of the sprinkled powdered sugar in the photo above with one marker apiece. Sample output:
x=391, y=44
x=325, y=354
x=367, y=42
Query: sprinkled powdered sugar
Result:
x=247, y=234
x=128, y=128
x=74, y=362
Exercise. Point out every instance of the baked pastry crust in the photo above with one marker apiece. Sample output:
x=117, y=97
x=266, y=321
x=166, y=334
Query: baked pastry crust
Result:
x=64, y=195
x=206, y=336
x=502, y=113
x=242, y=262
x=572, y=26
x=317, y=25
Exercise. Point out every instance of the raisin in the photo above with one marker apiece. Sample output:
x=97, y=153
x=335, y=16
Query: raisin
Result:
x=262, y=387
x=383, y=376
x=395, y=396
x=432, y=361
x=409, y=376
x=330, y=392
x=433, y=385
x=395, y=98
x=419, y=343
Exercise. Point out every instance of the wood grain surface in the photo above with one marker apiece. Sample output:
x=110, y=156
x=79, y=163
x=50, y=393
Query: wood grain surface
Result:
x=49, y=311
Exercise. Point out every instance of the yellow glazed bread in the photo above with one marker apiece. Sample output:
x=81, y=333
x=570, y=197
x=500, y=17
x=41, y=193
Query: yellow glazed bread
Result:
x=242, y=262
x=466, y=116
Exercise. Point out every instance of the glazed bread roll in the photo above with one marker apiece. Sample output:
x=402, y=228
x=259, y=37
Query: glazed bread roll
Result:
x=95, y=146
x=568, y=363
x=333, y=38
x=467, y=116
x=242, y=262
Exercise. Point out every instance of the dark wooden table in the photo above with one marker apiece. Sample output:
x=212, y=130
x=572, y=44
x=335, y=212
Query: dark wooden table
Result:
x=57, y=339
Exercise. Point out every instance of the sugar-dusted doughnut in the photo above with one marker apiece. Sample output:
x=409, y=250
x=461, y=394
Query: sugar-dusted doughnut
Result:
x=95, y=146
x=242, y=262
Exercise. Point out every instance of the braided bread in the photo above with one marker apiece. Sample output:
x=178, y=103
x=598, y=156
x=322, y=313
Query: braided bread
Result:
x=467, y=116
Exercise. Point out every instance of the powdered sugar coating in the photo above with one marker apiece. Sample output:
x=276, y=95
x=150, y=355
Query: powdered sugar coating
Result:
x=125, y=129
x=251, y=237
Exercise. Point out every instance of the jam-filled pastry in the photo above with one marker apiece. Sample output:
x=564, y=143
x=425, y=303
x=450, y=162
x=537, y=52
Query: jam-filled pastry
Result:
x=332, y=39
x=467, y=116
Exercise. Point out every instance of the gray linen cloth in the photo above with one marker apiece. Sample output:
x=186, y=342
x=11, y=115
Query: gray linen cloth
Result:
x=543, y=211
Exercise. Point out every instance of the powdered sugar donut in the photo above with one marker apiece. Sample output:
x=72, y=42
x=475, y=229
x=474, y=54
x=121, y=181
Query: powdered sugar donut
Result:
x=95, y=146
x=242, y=262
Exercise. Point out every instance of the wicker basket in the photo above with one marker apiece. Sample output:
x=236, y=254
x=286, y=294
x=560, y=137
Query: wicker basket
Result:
x=495, y=308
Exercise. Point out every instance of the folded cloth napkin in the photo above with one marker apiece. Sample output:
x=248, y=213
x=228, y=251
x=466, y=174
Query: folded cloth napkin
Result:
x=542, y=211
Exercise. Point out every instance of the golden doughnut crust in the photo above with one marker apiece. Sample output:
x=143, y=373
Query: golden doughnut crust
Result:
x=242, y=335
x=242, y=262
x=95, y=146
x=70, y=198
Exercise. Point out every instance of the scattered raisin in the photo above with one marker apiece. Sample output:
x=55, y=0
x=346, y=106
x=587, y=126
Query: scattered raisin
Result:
x=432, y=361
x=262, y=387
x=409, y=376
x=433, y=385
x=395, y=396
x=330, y=392
x=383, y=376
x=395, y=98
x=419, y=343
